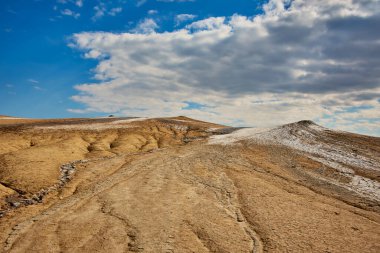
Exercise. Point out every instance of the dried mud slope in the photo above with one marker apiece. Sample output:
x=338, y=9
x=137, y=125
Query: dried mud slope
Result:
x=346, y=160
x=158, y=185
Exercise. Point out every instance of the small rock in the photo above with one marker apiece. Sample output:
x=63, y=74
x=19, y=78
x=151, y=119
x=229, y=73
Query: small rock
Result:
x=15, y=204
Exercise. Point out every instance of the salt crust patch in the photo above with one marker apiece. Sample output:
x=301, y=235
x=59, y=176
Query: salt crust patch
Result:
x=366, y=187
x=239, y=135
x=307, y=139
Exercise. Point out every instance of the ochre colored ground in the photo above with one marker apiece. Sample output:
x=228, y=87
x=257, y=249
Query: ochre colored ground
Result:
x=157, y=185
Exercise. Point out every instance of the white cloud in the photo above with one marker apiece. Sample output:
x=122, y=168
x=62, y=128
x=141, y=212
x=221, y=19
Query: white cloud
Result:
x=309, y=60
x=102, y=10
x=94, y=54
x=183, y=18
x=152, y=12
x=78, y=3
x=147, y=25
x=68, y=12
x=209, y=23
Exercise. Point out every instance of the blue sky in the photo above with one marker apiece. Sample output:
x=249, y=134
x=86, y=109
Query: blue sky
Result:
x=37, y=68
x=244, y=62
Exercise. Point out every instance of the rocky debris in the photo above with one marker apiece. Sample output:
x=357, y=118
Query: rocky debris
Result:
x=67, y=171
x=23, y=199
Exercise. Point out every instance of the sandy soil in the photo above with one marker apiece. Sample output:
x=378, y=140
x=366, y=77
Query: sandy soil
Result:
x=181, y=185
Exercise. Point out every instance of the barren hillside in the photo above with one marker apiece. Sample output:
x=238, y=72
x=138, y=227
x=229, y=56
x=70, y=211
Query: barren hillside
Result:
x=182, y=185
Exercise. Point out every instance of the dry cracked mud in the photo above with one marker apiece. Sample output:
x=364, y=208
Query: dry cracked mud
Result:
x=182, y=185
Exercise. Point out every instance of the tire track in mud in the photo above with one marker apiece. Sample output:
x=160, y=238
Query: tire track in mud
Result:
x=132, y=232
x=226, y=194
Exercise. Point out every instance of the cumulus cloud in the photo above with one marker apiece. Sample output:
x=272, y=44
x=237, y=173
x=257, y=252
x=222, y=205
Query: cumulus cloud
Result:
x=180, y=18
x=146, y=26
x=298, y=60
x=208, y=24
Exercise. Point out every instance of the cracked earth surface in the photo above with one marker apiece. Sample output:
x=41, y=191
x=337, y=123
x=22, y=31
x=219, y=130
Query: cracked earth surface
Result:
x=167, y=189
